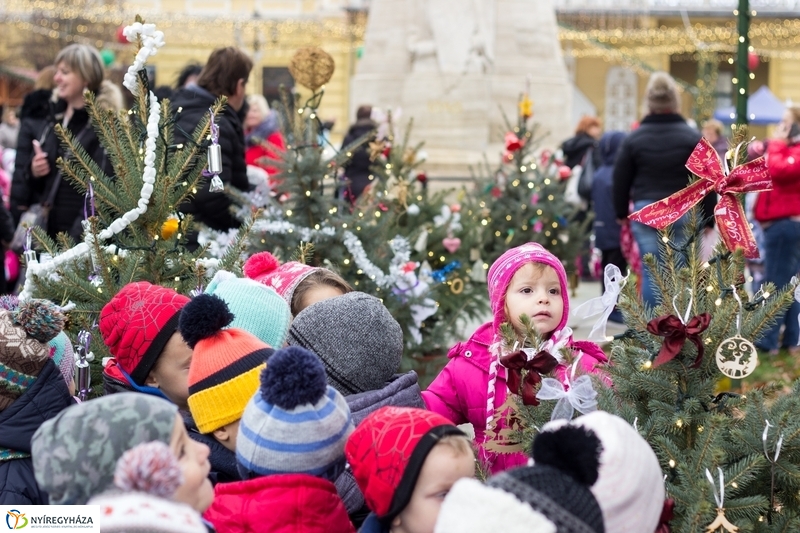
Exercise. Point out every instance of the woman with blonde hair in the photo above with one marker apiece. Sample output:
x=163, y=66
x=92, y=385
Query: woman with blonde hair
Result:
x=78, y=70
x=262, y=134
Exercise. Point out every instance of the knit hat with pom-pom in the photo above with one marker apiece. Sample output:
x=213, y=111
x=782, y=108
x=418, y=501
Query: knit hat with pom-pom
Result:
x=566, y=465
x=145, y=480
x=223, y=374
x=284, y=278
x=296, y=423
x=24, y=334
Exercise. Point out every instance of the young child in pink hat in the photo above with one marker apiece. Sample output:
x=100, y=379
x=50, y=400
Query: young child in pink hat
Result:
x=472, y=386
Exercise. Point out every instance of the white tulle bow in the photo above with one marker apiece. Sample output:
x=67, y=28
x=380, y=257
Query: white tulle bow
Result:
x=614, y=281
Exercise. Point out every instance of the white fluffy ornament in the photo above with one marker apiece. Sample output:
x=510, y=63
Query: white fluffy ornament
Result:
x=413, y=210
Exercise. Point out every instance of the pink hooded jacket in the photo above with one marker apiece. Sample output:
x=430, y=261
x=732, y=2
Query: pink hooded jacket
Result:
x=462, y=390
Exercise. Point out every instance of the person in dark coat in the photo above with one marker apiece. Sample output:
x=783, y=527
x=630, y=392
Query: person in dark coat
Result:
x=25, y=405
x=225, y=74
x=606, y=227
x=78, y=68
x=357, y=170
x=651, y=165
x=575, y=148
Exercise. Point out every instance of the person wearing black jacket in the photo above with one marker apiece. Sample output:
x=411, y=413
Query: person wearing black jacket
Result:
x=587, y=134
x=651, y=165
x=357, y=169
x=226, y=73
x=79, y=68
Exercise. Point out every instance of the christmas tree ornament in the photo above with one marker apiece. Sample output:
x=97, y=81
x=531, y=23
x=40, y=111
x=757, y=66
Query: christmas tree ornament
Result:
x=704, y=162
x=736, y=356
x=413, y=210
x=30, y=254
x=457, y=286
x=422, y=178
x=376, y=149
x=534, y=367
x=513, y=143
x=574, y=395
x=170, y=227
x=421, y=243
x=312, y=67
x=564, y=172
x=676, y=331
x=525, y=107
x=451, y=244
x=83, y=374
x=603, y=305
x=719, y=498
x=478, y=273
x=214, y=157
x=797, y=299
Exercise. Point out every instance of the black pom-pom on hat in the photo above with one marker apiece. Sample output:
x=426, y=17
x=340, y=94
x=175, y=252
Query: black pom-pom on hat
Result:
x=573, y=450
x=203, y=317
x=293, y=376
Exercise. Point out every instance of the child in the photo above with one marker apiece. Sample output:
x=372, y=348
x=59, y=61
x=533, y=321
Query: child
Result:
x=472, y=386
x=606, y=227
x=32, y=390
x=299, y=284
x=630, y=483
x=289, y=448
x=361, y=360
x=223, y=376
x=405, y=461
x=75, y=454
x=145, y=480
x=256, y=308
x=140, y=327
x=552, y=496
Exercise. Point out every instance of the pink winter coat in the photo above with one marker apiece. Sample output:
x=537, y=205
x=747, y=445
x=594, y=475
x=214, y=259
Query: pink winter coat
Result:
x=460, y=391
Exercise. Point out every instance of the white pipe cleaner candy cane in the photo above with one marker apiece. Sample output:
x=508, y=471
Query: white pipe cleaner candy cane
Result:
x=152, y=40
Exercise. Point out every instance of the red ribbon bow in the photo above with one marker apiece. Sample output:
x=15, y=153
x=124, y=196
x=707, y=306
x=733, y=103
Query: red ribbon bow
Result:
x=667, y=514
x=541, y=363
x=705, y=164
x=513, y=143
x=676, y=333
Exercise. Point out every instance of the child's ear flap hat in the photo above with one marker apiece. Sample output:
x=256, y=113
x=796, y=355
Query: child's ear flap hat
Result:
x=386, y=453
x=504, y=268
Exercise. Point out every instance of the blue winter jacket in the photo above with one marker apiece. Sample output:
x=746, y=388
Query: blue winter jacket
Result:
x=47, y=397
x=606, y=229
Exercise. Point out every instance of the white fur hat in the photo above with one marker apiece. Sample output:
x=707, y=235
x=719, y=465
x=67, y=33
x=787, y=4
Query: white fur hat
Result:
x=472, y=507
x=630, y=488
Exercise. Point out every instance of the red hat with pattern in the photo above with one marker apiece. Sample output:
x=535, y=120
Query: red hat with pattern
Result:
x=386, y=453
x=284, y=278
x=137, y=324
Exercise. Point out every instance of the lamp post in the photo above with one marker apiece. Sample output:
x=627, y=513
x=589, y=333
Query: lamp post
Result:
x=742, y=68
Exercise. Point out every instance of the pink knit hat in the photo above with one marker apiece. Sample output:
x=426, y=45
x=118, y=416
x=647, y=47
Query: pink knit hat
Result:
x=506, y=266
x=265, y=268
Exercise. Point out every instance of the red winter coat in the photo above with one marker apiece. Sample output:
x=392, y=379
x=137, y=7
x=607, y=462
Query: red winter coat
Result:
x=783, y=201
x=286, y=503
x=259, y=155
x=460, y=391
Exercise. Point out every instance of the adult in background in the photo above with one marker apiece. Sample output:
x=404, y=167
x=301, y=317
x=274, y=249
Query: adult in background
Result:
x=357, y=170
x=713, y=133
x=587, y=133
x=9, y=128
x=651, y=165
x=225, y=74
x=778, y=212
x=262, y=134
x=606, y=227
x=188, y=75
x=78, y=69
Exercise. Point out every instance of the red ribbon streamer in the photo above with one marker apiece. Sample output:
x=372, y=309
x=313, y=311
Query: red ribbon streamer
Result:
x=729, y=214
x=667, y=514
x=541, y=363
x=676, y=333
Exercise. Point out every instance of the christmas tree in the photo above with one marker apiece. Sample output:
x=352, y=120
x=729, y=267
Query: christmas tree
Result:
x=666, y=367
x=133, y=230
x=523, y=200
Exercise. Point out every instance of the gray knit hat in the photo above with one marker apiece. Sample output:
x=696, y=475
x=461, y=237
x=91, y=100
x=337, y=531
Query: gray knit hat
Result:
x=75, y=453
x=358, y=340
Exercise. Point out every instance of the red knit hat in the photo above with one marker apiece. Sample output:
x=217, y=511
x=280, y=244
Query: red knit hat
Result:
x=386, y=453
x=136, y=325
x=265, y=268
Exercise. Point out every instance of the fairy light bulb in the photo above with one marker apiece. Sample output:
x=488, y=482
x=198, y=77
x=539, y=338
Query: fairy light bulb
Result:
x=672, y=463
x=718, y=302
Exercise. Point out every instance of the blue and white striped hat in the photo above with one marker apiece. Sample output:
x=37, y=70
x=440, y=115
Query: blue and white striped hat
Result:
x=295, y=423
